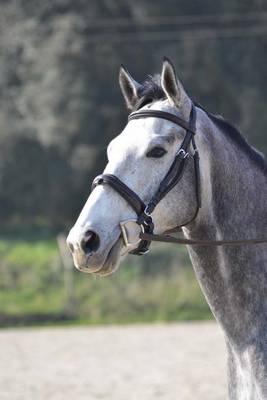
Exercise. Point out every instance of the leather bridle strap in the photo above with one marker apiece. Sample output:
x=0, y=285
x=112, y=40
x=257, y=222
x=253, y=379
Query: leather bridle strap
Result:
x=175, y=172
x=145, y=221
x=171, y=239
x=164, y=115
x=124, y=191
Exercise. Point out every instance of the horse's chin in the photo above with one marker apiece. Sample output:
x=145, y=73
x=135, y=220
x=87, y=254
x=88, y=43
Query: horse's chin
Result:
x=113, y=259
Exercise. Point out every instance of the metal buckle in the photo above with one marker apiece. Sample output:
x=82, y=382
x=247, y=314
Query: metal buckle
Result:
x=142, y=253
x=183, y=152
x=125, y=236
x=147, y=212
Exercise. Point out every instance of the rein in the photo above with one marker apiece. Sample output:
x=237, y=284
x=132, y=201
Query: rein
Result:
x=171, y=239
x=171, y=179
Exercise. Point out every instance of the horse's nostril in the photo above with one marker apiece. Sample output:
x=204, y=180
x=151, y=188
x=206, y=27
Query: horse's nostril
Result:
x=90, y=242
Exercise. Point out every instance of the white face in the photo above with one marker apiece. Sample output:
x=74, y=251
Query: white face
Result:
x=140, y=157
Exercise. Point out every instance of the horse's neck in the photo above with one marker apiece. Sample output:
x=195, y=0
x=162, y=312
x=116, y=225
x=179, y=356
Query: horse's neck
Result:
x=233, y=279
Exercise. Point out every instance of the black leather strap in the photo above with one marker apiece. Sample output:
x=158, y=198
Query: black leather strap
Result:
x=191, y=242
x=176, y=170
x=134, y=201
x=164, y=115
x=124, y=191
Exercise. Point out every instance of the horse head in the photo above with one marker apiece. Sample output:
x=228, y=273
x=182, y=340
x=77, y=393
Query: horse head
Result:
x=139, y=157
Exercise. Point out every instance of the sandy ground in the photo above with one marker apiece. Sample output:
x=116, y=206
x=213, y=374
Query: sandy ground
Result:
x=141, y=362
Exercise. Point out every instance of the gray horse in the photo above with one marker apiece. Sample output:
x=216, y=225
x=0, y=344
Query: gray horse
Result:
x=233, y=186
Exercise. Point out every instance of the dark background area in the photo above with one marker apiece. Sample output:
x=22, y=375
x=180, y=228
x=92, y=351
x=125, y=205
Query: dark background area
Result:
x=59, y=93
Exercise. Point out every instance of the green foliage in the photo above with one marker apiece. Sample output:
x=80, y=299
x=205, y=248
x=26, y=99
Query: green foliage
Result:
x=29, y=277
x=160, y=287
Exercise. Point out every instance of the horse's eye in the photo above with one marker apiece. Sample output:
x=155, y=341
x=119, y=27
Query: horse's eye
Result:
x=156, y=152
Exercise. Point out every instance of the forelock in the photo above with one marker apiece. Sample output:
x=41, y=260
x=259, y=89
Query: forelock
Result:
x=151, y=89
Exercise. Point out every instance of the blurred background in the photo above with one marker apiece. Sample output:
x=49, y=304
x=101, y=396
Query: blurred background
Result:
x=60, y=107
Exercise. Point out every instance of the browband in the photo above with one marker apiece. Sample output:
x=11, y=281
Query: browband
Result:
x=164, y=115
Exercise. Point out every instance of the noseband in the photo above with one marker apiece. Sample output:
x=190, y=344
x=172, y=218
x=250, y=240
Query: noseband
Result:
x=171, y=179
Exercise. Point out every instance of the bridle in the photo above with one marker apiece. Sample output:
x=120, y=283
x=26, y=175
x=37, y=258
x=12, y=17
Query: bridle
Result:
x=171, y=179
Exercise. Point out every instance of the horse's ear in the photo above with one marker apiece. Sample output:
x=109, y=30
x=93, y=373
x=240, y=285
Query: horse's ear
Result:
x=170, y=84
x=129, y=87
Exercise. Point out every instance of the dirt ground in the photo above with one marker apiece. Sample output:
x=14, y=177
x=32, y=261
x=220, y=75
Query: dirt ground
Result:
x=142, y=362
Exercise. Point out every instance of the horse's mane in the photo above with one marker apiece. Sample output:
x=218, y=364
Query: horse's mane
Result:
x=151, y=90
x=231, y=132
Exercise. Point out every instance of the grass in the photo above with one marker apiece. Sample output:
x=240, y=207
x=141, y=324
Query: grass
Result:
x=35, y=289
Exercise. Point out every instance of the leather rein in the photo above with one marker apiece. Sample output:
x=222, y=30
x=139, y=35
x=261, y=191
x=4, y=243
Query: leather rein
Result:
x=171, y=179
